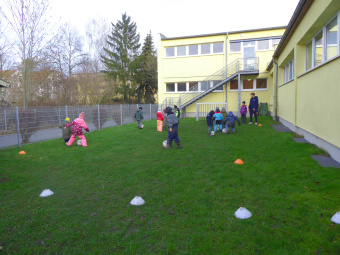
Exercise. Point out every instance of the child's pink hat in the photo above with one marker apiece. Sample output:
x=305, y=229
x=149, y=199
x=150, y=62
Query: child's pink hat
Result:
x=82, y=115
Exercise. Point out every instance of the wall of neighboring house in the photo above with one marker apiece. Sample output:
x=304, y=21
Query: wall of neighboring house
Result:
x=307, y=102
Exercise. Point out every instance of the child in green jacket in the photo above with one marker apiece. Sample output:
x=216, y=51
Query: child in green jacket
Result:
x=67, y=132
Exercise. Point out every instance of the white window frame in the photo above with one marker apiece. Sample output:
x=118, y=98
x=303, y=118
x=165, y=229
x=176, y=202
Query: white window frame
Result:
x=271, y=45
x=288, y=71
x=324, y=43
x=254, y=86
x=187, y=88
x=211, y=45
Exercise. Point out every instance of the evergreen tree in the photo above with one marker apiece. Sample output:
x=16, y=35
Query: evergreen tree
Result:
x=148, y=72
x=120, y=56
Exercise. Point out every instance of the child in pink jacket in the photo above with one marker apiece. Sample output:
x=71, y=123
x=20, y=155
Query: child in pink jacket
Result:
x=77, y=130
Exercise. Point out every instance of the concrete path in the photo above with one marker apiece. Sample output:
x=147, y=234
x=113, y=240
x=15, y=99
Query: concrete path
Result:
x=326, y=161
x=282, y=128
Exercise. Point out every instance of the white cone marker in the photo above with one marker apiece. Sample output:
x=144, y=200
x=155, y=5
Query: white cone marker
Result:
x=137, y=201
x=242, y=213
x=46, y=193
x=336, y=218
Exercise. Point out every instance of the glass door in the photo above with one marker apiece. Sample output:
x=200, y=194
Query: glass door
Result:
x=249, y=55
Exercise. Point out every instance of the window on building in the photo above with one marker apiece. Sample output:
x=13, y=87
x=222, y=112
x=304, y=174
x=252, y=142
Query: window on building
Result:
x=309, y=56
x=263, y=45
x=234, y=85
x=181, y=51
x=205, y=48
x=193, y=50
x=318, y=48
x=205, y=85
x=218, y=47
x=332, y=38
x=181, y=86
x=261, y=83
x=193, y=86
x=275, y=41
x=248, y=84
x=235, y=47
x=288, y=71
x=219, y=89
x=170, y=87
x=170, y=52
x=324, y=45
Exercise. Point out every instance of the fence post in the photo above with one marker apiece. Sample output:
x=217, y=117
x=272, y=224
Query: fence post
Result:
x=5, y=121
x=66, y=111
x=59, y=115
x=18, y=129
x=121, y=115
x=98, y=119
x=150, y=112
x=197, y=112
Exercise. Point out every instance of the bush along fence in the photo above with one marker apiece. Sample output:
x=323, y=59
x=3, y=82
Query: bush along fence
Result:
x=32, y=124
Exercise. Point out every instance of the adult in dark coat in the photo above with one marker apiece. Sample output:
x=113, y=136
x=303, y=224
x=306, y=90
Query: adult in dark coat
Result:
x=253, y=107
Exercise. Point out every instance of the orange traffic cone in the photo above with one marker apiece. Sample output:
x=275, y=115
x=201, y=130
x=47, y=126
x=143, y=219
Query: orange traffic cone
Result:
x=260, y=125
x=22, y=152
x=239, y=162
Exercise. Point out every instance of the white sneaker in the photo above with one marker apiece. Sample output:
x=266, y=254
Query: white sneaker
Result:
x=255, y=123
x=250, y=123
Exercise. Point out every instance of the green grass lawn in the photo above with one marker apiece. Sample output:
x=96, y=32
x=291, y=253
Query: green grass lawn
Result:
x=191, y=194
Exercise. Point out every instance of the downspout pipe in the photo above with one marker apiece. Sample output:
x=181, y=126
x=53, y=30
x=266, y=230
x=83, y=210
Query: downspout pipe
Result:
x=275, y=90
x=226, y=71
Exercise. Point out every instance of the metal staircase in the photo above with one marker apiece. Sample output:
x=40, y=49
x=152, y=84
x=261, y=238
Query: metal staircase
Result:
x=249, y=66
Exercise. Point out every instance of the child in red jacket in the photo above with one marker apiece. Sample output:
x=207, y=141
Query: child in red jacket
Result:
x=160, y=119
x=77, y=130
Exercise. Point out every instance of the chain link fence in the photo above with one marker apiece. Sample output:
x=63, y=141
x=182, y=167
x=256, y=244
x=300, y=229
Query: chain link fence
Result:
x=33, y=124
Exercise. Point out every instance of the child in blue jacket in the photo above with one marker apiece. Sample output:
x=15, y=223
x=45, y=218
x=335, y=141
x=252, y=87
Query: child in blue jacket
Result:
x=210, y=121
x=230, y=122
x=218, y=119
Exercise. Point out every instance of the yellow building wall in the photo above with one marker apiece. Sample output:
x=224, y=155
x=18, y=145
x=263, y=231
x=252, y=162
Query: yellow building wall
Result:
x=318, y=95
x=286, y=102
x=308, y=101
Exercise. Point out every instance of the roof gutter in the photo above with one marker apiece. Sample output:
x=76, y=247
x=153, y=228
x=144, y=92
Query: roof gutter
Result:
x=291, y=23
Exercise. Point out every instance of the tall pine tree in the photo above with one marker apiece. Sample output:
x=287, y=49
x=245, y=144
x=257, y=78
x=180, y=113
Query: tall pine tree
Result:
x=121, y=54
x=148, y=72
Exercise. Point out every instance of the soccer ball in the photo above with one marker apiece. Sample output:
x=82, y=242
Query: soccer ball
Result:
x=224, y=131
x=165, y=143
x=142, y=126
x=79, y=142
x=212, y=133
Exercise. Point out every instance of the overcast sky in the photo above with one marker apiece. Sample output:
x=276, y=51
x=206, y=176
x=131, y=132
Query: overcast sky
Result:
x=179, y=17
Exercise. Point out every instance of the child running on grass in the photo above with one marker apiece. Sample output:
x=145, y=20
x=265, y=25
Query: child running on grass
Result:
x=172, y=122
x=67, y=132
x=210, y=121
x=218, y=119
x=230, y=122
x=77, y=130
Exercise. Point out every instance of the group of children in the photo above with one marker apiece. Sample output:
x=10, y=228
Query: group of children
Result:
x=220, y=119
x=71, y=130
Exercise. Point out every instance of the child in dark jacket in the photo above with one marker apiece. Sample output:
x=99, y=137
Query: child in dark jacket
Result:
x=230, y=122
x=172, y=123
x=67, y=132
x=210, y=121
x=243, y=112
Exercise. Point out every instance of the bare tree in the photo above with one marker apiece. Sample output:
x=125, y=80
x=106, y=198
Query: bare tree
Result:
x=28, y=22
x=66, y=52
